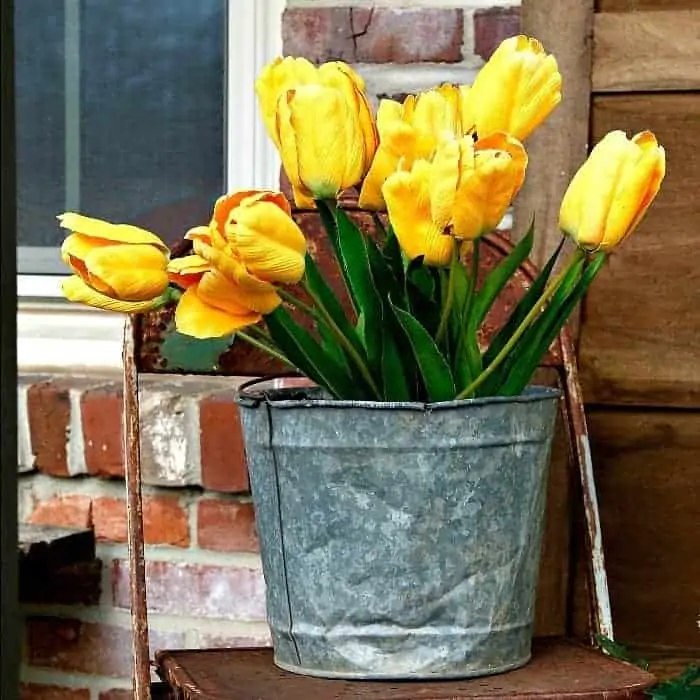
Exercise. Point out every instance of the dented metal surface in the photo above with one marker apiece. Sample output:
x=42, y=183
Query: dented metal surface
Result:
x=399, y=540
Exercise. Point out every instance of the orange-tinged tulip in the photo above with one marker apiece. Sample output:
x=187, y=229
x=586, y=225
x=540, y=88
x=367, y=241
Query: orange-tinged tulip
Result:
x=321, y=122
x=213, y=305
x=612, y=190
x=117, y=266
x=516, y=90
x=412, y=131
x=253, y=240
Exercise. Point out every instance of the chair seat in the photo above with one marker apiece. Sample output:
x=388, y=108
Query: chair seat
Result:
x=559, y=669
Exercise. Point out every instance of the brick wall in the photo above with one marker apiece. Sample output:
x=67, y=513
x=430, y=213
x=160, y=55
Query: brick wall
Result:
x=204, y=581
x=205, y=586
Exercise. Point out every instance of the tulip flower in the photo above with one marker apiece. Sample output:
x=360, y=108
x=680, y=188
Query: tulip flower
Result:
x=612, y=190
x=212, y=305
x=117, y=267
x=464, y=192
x=321, y=122
x=516, y=90
x=253, y=240
x=412, y=131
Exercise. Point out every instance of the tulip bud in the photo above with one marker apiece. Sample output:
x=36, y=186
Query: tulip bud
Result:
x=516, y=90
x=321, y=122
x=117, y=267
x=612, y=190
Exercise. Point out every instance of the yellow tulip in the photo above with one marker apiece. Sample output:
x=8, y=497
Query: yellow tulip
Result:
x=276, y=79
x=612, y=190
x=253, y=240
x=117, y=266
x=407, y=194
x=321, y=122
x=516, y=90
x=464, y=192
x=412, y=131
x=212, y=305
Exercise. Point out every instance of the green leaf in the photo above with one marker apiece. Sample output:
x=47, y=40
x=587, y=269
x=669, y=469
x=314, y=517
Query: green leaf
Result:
x=358, y=273
x=391, y=250
x=523, y=307
x=325, y=296
x=326, y=211
x=499, y=277
x=304, y=351
x=395, y=387
x=385, y=281
x=434, y=371
x=542, y=333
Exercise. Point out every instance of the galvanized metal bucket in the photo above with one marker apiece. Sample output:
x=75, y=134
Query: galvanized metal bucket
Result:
x=398, y=540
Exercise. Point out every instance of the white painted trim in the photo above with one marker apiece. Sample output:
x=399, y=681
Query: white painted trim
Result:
x=254, y=39
x=54, y=335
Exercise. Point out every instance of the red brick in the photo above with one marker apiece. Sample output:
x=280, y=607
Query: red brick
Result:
x=221, y=443
x=373, y=35
x=86, y=647
x=101, y=412
x=63, y=511
x=164, y=520
x=196, y=590
x=492, y=26
x=37, y=691
x=227, y=526
x=48, y=410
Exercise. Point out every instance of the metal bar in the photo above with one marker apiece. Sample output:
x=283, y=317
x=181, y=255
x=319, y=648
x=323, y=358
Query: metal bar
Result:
x=598, y=579
x=134, y=519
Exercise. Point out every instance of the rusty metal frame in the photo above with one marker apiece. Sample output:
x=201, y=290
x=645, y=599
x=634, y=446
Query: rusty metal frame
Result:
x=579, y=452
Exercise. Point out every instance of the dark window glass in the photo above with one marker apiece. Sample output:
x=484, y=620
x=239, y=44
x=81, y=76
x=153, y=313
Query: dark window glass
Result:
x=120, y=111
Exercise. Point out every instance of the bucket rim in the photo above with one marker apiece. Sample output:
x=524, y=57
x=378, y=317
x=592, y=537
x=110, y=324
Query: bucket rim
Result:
x=248, y=396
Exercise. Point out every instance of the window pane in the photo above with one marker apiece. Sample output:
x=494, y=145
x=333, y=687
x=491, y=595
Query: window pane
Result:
x=129, y=124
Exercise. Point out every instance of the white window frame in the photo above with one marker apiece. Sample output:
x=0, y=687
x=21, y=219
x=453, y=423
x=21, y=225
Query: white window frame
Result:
x=53, y=335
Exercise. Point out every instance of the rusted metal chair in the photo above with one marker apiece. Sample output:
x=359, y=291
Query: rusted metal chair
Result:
x=560, y=668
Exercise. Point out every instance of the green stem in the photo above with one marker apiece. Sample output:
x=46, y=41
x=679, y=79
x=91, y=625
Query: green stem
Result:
x=447, y=307
x=265, y=348
x=298, y=303
x=466, y=313
x=343, y=340
x=525, y=323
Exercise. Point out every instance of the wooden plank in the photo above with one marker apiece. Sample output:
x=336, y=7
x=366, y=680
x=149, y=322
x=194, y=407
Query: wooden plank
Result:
x=646, y=51
x=553, y=586
x=640, y=336
x=560, y=145
x=647, y=5
x=648, y=477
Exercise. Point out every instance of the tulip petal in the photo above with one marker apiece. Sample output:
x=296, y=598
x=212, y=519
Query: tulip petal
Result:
x=117, y=233
x=274, y=80
x=197, y=319
x=407, y=197
x=128, y=272
x=187, y=271
x=269, y=242
x=74, y=249
x=638, y=185
x=329, y=143
x=444, y=179
x=222, y=293
x=76, y=290
x=397, y=139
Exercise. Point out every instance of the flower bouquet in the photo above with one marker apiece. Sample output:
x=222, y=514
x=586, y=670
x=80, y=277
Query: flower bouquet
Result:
x=400, y=499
